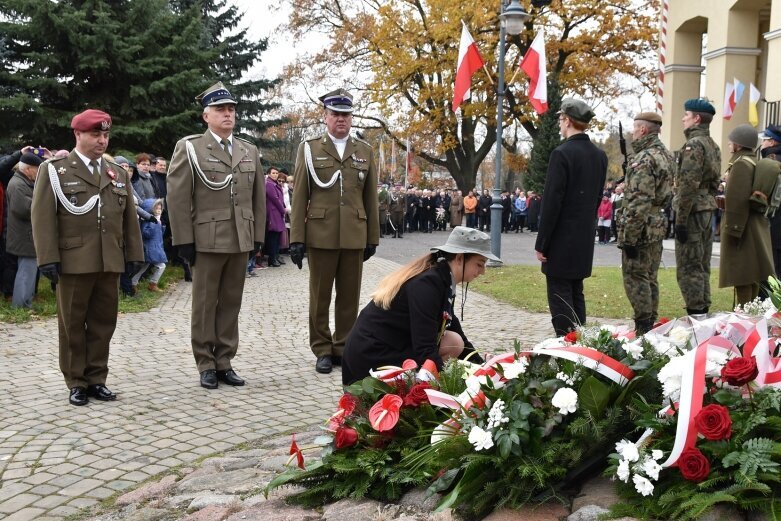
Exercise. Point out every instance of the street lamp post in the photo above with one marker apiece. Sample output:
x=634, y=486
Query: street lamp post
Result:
x=511, y=22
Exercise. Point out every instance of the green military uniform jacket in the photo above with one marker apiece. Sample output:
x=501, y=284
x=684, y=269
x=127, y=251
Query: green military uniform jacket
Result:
x=227, y=220
x=101, y=240
x=398, y=203
x=647, y=191
x=345, y=215
x=697, y=179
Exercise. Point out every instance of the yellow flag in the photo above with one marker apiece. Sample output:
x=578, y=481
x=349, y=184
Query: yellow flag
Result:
x=753, y=100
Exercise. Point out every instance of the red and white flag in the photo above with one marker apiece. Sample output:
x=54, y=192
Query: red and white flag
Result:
x=729, y=100
x=535, y=65
x=469, y=61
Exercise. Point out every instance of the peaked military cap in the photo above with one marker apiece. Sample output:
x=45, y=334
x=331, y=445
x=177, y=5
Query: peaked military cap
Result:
x=91, y=119
x=338, y=100
x=699, y=105
x=217, y=94
x=651, y=117
x=772, y=132
x=576, y=109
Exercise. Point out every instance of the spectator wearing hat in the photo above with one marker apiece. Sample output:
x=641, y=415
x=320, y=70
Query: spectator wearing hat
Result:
x=19, y=236
x=85, y=232
x=770, y=147
x=217, y=211
x=577, y=170
x=411, y=314
x=694, y=202
x=746, y=249
x=335, y=217
x=642, y=224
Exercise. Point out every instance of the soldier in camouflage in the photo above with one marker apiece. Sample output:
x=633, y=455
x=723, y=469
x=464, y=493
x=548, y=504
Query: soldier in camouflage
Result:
x=696, y=182
x=641, y=221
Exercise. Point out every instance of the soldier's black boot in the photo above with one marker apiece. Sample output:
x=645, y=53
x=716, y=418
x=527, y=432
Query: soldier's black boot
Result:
x=698, y=314
x=643, y=326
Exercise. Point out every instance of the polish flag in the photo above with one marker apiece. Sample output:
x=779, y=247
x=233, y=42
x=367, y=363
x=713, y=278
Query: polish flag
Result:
x=469, y=61
x=729, y=100
x=535, y=65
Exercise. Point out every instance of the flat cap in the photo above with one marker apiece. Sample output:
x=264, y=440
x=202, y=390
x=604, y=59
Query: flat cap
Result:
x=699, y=105
x=217, y=94
x=91, y=119
x=772, y=132
x=651, y=117
x=744, y=135
x=121, y=160
x=576, y=109
x=338, y=100
x=30, y=159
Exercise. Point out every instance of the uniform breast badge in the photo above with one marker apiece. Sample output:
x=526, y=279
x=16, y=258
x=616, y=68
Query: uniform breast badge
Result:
x=62, y=170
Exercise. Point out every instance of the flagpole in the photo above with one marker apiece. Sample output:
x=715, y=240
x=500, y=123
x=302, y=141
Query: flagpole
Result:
x=488, y=74
x=496, y=207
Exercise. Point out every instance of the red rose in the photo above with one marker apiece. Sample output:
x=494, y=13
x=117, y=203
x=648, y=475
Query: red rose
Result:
x=347, y=404
x=345, y=437
x=714, y=422
x=417, y=395
x=571, y=337
x=693, y=464
x=740, y=371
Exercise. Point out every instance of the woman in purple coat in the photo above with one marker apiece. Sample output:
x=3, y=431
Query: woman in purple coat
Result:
x=275, y=216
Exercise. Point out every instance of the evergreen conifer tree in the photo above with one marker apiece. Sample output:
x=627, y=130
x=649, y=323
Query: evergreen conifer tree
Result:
x=547, y=138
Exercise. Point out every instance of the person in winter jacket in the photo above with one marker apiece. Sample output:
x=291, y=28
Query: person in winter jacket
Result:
x=154, y=253
x=604, y=219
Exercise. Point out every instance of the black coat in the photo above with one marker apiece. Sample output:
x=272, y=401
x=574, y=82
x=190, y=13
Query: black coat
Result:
x=573, y=189
x=409, y=329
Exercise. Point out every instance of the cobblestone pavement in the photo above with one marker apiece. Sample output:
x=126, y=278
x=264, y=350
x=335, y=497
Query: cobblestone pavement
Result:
x=56, y=459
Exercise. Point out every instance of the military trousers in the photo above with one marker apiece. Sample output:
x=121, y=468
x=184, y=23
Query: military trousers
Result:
x=397, y=223
x=692, y=259
x=87, y=306
x=640, y=280
x=329, y=269
x=567, y=303
x=218, y=285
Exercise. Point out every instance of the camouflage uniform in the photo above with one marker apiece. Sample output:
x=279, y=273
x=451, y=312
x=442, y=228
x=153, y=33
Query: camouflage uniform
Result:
x=642, y=223
x=696, y=182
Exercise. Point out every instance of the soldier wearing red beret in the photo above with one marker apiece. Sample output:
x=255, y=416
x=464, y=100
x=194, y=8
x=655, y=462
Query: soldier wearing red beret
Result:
x=85, y=231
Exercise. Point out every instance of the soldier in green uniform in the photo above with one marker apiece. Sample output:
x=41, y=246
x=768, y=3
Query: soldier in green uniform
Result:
x=641, y=220
x=85, y=232
x=217, y=209
x=384, y=208
x=696, y=183
x=335, y=218
x=398, y=205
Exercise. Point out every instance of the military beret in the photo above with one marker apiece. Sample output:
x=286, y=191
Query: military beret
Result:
x=772, y=132
x=576, y=109
x=744, y=135
x=30, y=159
x=651, y=117
x=91, y=119
x=217, y=94
x=699, y=105
x=338, y=100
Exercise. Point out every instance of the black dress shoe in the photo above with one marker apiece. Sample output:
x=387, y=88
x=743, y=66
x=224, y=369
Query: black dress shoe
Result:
x=230, y=377
x=323, y=364
x=274, y=263
x=78, y=396
x=100, y=392
x=279, y=260
x=336, y=360
x=209, y=379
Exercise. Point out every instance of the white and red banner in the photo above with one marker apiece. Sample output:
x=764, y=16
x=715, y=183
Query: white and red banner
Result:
x=469, y=61
x=729, y=100
x=535, y=65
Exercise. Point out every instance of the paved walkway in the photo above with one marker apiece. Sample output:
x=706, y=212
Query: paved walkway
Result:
x=56, y=459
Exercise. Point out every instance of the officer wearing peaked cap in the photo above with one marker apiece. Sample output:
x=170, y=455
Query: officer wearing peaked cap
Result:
x=335, y=217
x=85, y=232
x=217, y=210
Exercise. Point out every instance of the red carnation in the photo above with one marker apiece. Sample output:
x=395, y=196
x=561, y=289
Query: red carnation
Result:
x=571, y=337
x=714, y=422
x=417, y=395
x=346, y=437
x=693, y=464
x=347, y=404
x=740, y=371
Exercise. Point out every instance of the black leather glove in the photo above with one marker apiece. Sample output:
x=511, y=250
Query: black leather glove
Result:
x=631, y=251
x=132, y=267
x=51, y=271
x=297, y=250
x=681, y=233
x=187, y=252
x=369, y=251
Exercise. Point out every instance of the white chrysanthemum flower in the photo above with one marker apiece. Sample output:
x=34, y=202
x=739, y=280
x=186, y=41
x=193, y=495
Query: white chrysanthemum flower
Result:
x=549, y=342
x=481, y=439
x=634, y=348
x=679, y=336
x=642, y=485
x=657, y=454
x=496, y=415
x=623, y=471
x=671, y=376
x=627, y=450
x=716, y=360
x=567, y=379
x=651, y=468
x=566, y=400
x=515, y=369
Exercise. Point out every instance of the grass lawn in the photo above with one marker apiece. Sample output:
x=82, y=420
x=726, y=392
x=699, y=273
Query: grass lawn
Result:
x=44, y=304
x=524, y=287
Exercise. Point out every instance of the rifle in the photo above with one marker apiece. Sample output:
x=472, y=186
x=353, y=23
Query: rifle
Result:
x=622, y=146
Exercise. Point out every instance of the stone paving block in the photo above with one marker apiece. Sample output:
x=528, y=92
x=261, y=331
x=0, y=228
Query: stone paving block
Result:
x=40, y=477
x=50, y=501
x=26, y=514
x=80, y=487
x=17, y=502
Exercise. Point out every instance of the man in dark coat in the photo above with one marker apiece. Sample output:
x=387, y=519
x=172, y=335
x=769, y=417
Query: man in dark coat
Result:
x=565, y=244
x=484, y=211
